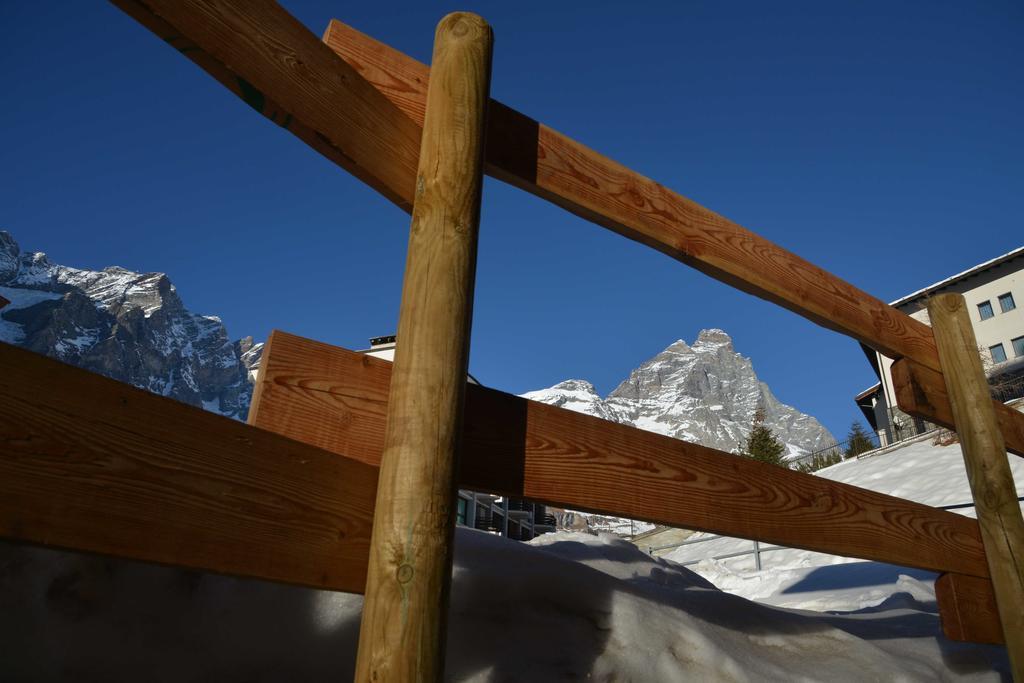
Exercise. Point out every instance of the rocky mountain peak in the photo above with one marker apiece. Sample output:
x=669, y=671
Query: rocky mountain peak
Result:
x=580, y=385
x=706, y=393
x=573, y=394
x=678, y=346
x=126, y=325
x=9, y=252
x=713, y=337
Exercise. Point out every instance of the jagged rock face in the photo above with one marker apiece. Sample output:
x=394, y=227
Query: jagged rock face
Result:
x=706, y=393
x=129, y=326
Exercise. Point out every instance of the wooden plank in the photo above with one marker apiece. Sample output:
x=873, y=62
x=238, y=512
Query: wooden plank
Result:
x=91, y=464
x=336, y=399
x=967, y=606
x=921, y=392
x=535, y=158
x=405, y=614
x=988, y=471
x=275, y=67
x=265, y=56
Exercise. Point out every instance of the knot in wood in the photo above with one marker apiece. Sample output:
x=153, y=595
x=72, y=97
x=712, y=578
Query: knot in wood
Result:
x=404, y=573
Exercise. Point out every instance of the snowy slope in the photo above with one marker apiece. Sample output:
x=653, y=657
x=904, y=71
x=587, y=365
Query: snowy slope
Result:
x=922, y=472
x=566, y=607
x=569, y=607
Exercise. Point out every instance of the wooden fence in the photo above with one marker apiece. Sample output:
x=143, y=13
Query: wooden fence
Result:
x=94, y=465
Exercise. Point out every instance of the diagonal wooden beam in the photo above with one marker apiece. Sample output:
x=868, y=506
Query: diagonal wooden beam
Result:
x=367, y=117
x=91, y=464
x=260, y=52
x=269, y=59
x=921, y=392
x=336, y=399
x=544, y=162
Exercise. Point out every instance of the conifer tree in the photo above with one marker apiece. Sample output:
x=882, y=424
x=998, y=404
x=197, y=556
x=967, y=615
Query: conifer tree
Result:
x=762, y=444
x=857, y=441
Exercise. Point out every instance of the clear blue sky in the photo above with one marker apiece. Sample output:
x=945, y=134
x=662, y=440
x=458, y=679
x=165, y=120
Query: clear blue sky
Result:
x=882, y=141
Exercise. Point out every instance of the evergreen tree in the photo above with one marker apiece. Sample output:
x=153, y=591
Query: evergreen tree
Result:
x=820, y=461
x=857, y=441
x=762, y=444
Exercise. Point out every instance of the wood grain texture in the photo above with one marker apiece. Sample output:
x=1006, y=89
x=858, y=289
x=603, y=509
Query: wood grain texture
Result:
x=988, y=469
x=535, y=158
x=967, y=606
x=91, y=464
x=921, y=392
x=271, y=61
x=336, y=399
x=404, y=619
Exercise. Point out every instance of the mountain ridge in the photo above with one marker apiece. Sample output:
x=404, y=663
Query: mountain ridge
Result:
x=132, y=327
x=707, y=393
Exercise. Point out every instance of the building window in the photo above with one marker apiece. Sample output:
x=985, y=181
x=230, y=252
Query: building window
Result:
x=460, y=511
x=1006, y=302
x=1018, y=346
x=985, y=310
x=998, y=353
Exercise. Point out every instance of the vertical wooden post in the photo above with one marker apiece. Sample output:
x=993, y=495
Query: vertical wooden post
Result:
x=995, y=497
x=402, y=636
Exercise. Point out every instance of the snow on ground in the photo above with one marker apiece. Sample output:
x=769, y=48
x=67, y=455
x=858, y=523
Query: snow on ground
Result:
x=11, y=332
x=923, y=472
x=565, y=607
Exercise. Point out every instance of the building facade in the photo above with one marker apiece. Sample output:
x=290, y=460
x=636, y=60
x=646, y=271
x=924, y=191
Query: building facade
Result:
x=994, y=292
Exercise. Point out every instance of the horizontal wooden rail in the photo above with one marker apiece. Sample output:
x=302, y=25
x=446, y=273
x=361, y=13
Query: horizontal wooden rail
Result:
x=336, y=399
x=92, y=464
x=921, y=392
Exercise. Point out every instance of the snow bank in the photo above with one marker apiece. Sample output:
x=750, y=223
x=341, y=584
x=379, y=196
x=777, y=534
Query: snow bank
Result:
x=922, y=472
x=800, y=579
x=566, y=607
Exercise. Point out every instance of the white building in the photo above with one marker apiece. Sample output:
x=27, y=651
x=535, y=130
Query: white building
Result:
x=994, y=291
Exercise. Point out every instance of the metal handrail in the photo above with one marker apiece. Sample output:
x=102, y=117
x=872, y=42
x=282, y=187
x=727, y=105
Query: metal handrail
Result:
x=757, y=548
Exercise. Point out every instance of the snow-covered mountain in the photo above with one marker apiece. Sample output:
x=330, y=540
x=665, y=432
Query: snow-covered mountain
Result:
x=129, y=326
x=706, y=393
